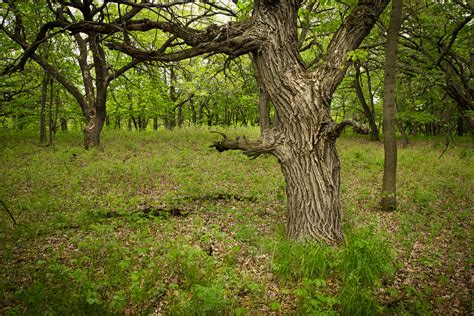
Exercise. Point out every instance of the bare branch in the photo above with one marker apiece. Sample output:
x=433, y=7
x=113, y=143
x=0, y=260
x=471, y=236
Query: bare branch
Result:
x=117, y=73
x=250, y=148
x=454, y=34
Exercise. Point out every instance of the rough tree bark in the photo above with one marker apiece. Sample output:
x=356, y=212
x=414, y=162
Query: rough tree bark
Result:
x=304, y=138
x=263, y=112
x=389, y=186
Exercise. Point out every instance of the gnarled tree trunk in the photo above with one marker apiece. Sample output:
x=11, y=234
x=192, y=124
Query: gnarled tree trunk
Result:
x=312, y=179
x=95, y=119
x=304, y=138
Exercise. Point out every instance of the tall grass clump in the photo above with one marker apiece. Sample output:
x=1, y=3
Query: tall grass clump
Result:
x=293, y=260
x=365, y=259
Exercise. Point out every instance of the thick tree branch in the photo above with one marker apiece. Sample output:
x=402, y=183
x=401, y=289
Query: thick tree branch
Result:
x=49, y=68
x=348, y=37
x=180, y=104
x=250, y=148
x=234, y=46
x=337, y=129
x=454, y=34
x=117, y=73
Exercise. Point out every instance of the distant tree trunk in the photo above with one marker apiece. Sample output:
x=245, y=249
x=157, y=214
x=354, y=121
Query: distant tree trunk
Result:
x=63, y=123
x=193, y=112
x=209, y=116
x=370, y=115
x=139, y=123
x=180, y=116
x=57, y=103
x=130, y=111
x=117, y=122
x=44, y=97
x=50, y=113
x=389, y=187
x=403, y=133
x=155, y=123
x=170, y=120
x=244, y=118
x=93, y=105
x=200, y=113
x=460, y=126
x=135, y=124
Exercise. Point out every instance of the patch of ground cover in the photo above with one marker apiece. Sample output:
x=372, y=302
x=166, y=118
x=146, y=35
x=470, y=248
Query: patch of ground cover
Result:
x=160, y=223
x=432, y=230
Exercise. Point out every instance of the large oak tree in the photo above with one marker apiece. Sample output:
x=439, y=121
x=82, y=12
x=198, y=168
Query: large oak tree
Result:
x=303, y=134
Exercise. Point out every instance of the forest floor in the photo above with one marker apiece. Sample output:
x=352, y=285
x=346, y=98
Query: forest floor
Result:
x=159, y=223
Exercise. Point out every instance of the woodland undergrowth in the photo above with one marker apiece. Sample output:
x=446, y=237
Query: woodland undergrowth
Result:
x=159, y=223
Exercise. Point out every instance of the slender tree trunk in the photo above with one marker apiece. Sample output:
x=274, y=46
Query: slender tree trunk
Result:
x=139, y=122
x=57, y=103
x=460, y=126
x=193, y=112
x=209, y=116
x=171, y=113
x=200, y=113
x=180, y=116
x=155, y=123
x=370, y=115
x=63, y=123
x=50, y=113
x=403, y=133
x=389, y=187
x=44, y=97
x=244, y=118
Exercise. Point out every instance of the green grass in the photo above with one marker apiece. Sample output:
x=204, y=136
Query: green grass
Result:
x=158, y=222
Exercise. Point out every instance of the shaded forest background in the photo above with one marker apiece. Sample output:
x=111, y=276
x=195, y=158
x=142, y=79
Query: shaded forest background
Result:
x=434, y=95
